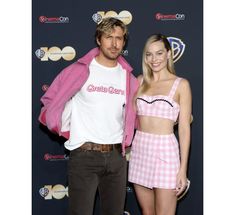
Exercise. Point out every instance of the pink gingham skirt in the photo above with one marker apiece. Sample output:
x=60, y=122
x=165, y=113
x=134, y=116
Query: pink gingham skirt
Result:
x=154, y=160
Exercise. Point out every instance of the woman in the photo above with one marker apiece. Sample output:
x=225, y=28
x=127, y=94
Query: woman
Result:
x=158, y=164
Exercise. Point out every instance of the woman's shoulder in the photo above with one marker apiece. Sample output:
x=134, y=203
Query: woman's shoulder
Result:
x=183, y=81
x=183, y=84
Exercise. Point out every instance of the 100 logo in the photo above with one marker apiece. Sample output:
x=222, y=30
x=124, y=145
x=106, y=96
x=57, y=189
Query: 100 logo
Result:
x=55, y=53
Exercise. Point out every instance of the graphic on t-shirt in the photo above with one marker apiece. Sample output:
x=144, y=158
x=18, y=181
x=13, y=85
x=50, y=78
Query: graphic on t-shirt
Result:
x=103, y=89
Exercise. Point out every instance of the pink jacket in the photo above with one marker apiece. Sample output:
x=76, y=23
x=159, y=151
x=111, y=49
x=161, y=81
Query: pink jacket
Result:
x=69, y=82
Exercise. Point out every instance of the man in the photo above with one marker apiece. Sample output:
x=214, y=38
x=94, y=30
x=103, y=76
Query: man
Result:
x=90, y=103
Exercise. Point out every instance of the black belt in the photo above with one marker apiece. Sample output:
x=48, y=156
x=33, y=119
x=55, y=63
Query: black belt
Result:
x=90, y=146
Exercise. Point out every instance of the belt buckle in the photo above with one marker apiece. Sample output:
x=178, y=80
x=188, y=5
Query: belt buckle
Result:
x=105, y=148
x=102, y=151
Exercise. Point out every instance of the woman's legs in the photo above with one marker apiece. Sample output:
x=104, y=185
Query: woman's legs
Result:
x=145, y=198
x=165, y=201
x=156, y=201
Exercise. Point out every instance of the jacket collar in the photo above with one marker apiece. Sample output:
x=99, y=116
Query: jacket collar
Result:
x=86, y=59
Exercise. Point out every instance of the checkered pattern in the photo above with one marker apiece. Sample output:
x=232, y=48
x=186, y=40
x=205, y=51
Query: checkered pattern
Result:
x=174, y=87
x=160, y=105
x=154, y=160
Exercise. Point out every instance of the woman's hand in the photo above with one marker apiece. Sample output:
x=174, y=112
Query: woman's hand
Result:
x=181, y=182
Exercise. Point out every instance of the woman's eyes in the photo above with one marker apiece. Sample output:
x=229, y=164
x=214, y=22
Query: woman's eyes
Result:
x=158, y=54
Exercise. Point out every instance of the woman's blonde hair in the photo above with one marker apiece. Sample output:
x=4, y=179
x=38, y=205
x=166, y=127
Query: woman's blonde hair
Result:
x=147, y=71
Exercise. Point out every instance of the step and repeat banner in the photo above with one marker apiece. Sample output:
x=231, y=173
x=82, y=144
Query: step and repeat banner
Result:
x=62, y=32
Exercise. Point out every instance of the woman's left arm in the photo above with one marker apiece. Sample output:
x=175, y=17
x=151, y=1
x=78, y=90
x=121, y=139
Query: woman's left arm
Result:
x=185, y=101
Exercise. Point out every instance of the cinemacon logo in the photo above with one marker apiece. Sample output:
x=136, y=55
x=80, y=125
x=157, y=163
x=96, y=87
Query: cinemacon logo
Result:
x=61, y=19
x=50, y=157
x=45, y=87
x=124, y=16
x=55, y=53
x=160, y=16
x=57, y=191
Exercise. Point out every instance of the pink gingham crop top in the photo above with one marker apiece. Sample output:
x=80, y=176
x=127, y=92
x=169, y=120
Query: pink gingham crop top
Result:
x=160, y=105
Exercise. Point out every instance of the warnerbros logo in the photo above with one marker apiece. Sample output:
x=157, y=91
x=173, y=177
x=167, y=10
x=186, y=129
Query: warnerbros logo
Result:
x=177, y=46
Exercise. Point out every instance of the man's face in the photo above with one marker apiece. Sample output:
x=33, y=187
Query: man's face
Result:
x=112, y=43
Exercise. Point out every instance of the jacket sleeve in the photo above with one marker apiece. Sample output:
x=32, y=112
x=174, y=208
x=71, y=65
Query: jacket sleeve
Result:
x=49, y=115
x=135, y=85
x=54, y=100
x=130, y=112
x=48, y=97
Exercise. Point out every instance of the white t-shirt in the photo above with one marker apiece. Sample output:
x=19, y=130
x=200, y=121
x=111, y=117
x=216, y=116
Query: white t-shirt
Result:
x=96, y=112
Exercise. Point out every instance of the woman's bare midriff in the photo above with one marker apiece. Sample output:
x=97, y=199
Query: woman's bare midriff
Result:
x=155, y=125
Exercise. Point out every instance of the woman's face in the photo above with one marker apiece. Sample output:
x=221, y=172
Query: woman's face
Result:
x=156, y=56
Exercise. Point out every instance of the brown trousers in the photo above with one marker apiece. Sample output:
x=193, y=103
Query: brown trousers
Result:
x=92, y=170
